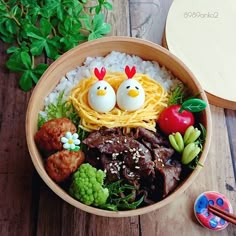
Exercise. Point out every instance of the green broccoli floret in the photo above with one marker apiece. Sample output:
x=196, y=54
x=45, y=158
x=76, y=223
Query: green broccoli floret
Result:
x=87, y=185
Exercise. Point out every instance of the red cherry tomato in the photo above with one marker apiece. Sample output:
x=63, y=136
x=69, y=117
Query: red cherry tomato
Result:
x=172, y=121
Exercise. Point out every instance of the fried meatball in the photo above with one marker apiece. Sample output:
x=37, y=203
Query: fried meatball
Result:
x=62, y=164
x=48, y=138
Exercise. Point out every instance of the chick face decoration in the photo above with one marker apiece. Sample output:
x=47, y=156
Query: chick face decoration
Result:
x=130, y=94
x=101, y=96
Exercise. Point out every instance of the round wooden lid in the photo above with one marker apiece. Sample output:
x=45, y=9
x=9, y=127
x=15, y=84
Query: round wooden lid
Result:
x=202, y=34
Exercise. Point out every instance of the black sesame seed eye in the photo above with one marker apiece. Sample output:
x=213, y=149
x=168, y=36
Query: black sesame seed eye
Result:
x=128, y=87
x=105, y=88
x=137, y=87
x=98, y=87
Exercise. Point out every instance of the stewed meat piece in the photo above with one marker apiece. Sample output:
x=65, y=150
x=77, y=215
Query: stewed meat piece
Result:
x=169, y=175
x=151, y=137
x=163, y=153
x=62, y=164
x=48, y=137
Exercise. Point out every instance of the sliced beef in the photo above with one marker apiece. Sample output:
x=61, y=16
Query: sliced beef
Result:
x=98, y=136
x=107, y=131
x=162, y=154
x=151, y=137
x=93, y=157
x=111, y=167
x=147, y=144
x=113, y=143
x=132, y=177
x=169, y=175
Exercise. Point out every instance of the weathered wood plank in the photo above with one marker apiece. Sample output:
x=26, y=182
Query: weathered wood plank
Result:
x=119, y=18
x=15, y=164
x=148, y=18
x=55, y=217
x=231, y=125
x=49, y=221
x=96, y=225
x=29, y=207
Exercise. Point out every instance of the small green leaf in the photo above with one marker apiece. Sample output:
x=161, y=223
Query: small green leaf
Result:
x=25, y=81
x=103, y=29
x=98, y=9
x=11, y=26
x=86, y=20
x=67, y=24
x=51, y=49
x=36, y=47
x=60, y=12
x=78, y=9
x=34, y=77
x=93, y=36
x=40, y=69
x=107, y=5
x=77, y=148
x=12, y=49
x=25, y=58
x=14, y=63
x=15, y=10
x=193, y=105
x=3, y=7
x=98, y=21
x=35, y=36
x=45, y=27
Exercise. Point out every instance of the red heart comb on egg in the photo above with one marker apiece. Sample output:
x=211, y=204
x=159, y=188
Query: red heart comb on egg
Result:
x=130, y=72
x=100, y=74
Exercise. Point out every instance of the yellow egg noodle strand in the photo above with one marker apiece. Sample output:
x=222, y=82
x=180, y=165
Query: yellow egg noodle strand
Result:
x=156, y=99
x=115, y=122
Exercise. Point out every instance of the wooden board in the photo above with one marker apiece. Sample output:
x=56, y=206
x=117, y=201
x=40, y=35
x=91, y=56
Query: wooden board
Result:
x=28, y=207
x=201, y=33
x=148, y=18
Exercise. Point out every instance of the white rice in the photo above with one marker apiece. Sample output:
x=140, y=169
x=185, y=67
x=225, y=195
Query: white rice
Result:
x=113, y=62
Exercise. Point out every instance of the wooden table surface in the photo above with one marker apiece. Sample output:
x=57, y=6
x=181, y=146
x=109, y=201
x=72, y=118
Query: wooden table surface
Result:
x=29, y=207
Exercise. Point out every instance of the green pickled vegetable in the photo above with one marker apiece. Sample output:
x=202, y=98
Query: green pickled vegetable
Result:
x=177, y=142
x=88, y=186
x=191, y=135
x=190, y=152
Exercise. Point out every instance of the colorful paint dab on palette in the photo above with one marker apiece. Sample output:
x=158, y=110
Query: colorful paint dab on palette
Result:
x=206, y=218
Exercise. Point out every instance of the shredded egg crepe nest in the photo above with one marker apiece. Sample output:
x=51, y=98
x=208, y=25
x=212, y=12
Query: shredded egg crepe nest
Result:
x=156, y=98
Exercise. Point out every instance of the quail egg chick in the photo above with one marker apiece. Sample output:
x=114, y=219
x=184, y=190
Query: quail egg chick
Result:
x=130, y=95
x=102, y=97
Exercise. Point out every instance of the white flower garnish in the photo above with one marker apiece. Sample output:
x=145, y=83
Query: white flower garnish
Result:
x=70, y=141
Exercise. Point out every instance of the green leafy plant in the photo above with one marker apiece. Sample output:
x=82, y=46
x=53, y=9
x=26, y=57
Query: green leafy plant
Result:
x=121, y=196
x=33, y=28
x=177, y=96
x=59, y=109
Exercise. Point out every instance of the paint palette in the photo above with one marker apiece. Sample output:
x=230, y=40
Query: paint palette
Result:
x=206, y=218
